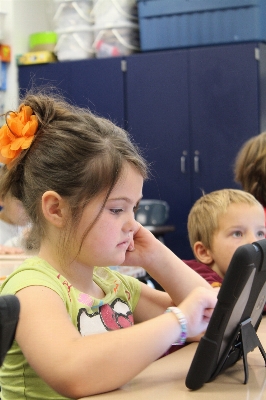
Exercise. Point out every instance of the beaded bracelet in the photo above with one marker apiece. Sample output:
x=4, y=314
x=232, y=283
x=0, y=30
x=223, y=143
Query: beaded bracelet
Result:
x=183, y=324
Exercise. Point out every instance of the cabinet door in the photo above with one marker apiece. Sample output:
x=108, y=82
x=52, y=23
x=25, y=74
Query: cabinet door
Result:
x=157, y=114
x=54, y=74
x=224, y=111
x=99, y=85
x=96, y=84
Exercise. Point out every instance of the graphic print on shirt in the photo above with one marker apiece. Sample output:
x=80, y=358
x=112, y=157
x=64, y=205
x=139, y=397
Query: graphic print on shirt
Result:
x=109, y=317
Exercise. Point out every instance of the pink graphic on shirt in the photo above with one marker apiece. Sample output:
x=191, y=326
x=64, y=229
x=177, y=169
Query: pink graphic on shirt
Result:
x=85, y=299
x=109, y=317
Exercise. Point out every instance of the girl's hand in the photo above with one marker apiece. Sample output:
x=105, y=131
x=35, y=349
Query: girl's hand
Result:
x=198, y=308
x=141, y=248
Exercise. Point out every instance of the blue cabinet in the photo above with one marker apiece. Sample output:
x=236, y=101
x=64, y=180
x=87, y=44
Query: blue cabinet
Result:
x=158, y=119
x=189, y=110
x=94, y=84
x=225, y=94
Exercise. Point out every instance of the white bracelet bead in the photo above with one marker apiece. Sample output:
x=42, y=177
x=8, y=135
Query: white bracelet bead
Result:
x=183, y=324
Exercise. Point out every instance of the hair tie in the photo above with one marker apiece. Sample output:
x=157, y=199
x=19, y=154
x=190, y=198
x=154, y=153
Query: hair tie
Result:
x=17, y=134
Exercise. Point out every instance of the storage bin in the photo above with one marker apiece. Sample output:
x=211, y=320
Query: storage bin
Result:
x=73, y=25
x=74, y=44
x=116, y=29
x=166, y=24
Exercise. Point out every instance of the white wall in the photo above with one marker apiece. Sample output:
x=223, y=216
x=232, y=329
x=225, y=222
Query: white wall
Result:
x=23, y=18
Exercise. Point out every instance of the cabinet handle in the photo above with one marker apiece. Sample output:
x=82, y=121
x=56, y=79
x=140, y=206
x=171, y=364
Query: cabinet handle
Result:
x=183, y=162
x=196, y=162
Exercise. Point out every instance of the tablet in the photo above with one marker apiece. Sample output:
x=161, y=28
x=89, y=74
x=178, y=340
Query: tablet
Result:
x=231, y=332
x=9, y=315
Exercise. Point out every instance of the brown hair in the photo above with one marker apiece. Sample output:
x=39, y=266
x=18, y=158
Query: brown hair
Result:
x=74, y=153
x=250, y=167
x=203, y=219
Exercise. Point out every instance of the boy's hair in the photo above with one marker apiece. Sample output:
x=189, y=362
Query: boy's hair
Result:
x=250, y=167
x=203, y=219
x=74, y=153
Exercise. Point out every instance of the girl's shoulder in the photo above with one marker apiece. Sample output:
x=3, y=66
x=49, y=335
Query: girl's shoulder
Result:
x=32, y=271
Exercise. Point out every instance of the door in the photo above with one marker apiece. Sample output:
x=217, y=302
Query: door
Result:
x=53, y=74
x=97, y=84
x=157, y=116
x=224, y=111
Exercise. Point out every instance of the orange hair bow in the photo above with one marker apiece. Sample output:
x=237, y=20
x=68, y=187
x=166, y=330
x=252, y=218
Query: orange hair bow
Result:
x=17, y=134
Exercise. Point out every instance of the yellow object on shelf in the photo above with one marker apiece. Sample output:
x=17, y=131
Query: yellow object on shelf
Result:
x=36, y=57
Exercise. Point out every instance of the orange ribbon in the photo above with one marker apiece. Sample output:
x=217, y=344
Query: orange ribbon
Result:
x=17, y=134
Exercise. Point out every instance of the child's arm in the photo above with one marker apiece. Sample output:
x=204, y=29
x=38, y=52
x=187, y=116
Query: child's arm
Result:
x=77, y=366
x=163, y=265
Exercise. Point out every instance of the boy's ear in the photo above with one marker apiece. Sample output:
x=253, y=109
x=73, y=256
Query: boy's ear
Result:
x=54, y=208
x=202, y=253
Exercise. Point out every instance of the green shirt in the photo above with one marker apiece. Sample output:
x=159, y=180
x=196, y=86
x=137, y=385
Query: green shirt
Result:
x=88, y=314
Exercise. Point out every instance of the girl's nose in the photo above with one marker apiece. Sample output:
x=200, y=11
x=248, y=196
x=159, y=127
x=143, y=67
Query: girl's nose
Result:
x=131, y=224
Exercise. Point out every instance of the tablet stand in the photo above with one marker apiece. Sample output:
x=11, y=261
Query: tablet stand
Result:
x=249, y=341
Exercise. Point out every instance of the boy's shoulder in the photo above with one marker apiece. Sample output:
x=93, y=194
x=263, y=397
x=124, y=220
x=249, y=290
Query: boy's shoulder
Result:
x=205, y=271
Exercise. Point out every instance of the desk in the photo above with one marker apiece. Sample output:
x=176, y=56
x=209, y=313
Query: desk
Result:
x=160, y=230
x=164, y=379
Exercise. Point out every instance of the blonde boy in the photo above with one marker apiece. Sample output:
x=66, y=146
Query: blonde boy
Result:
x=218, y=223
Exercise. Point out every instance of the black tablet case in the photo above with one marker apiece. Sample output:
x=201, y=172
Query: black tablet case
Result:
x=235, y=318
x=9, y=315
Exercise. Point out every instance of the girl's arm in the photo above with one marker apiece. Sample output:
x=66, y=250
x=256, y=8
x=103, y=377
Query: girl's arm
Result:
x=77, y=366
x=163, y=265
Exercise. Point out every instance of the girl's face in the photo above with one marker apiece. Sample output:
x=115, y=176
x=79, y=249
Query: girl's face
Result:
x=108, y=240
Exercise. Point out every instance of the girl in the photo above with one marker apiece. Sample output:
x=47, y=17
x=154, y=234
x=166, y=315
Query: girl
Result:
x=80, y=179
x=13, y=221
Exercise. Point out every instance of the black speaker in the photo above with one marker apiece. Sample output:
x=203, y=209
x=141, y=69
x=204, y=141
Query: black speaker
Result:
x=152, y=212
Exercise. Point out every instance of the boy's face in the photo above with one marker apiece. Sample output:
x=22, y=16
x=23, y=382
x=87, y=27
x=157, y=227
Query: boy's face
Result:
x=241, y=224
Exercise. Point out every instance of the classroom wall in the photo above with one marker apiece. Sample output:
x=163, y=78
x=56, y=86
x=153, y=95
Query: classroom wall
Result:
x=23, y=18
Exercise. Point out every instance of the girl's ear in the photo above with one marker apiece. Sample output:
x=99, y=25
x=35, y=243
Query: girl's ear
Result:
x=54, y=208
x=203, y=254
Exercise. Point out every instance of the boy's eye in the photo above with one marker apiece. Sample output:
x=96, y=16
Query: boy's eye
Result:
x=261, y=234
x=116, y=210
x=237, y=234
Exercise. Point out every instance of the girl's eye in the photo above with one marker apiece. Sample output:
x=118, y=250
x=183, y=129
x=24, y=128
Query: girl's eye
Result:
x=116, y=211
x=135, y=208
